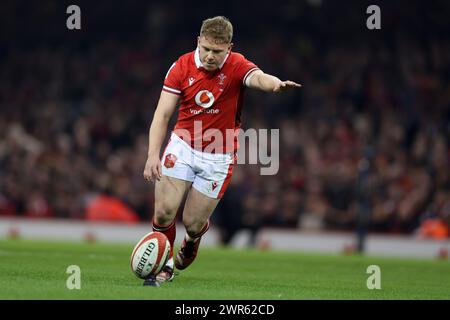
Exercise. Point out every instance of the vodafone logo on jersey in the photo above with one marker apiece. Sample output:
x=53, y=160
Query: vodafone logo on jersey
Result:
x=204, y=99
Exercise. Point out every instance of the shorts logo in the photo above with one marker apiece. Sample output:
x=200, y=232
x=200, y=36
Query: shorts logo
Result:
x=170, y=160
x=204, y=99
x=214, y=185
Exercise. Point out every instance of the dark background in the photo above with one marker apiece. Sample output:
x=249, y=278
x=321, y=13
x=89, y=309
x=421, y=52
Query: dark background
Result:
x=75, y=108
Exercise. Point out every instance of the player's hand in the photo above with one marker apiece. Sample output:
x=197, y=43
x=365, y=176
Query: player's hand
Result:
x=285, y=85
x=153, y=169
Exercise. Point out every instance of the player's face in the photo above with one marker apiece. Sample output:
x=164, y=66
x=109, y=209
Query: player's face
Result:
x=212, y=54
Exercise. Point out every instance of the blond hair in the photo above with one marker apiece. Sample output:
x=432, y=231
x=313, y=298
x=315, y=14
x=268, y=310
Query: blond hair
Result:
x=218, y=29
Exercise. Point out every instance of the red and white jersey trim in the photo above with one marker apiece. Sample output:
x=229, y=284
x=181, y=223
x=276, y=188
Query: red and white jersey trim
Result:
x=248, y=76
x=171, y=90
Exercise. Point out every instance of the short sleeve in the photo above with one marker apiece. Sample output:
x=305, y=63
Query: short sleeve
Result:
x=172, y=82
x=244, y=69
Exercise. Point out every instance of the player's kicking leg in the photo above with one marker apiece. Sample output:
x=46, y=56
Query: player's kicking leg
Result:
x=213, y=176
x=169, y=193
x=197, y=210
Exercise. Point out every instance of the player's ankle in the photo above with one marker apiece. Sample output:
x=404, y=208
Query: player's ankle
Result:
x=188, y=238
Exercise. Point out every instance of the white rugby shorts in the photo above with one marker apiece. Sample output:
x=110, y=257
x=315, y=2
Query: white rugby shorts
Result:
x=210, y=173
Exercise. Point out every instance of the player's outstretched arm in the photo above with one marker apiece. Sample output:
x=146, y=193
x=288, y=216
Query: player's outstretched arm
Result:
x=164, y=111
x=268, y=83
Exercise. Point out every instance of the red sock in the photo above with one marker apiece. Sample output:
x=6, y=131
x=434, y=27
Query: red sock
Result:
x=170, y=231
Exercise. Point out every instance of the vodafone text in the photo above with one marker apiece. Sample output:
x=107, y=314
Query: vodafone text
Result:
x=208, y=111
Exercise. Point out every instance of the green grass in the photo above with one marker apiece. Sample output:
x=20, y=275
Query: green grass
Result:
x=37, y=270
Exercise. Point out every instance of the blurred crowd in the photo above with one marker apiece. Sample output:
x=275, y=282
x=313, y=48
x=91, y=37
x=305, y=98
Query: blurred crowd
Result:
x=370, y=127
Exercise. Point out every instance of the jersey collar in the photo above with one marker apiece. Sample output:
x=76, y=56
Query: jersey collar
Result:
x=199, y=64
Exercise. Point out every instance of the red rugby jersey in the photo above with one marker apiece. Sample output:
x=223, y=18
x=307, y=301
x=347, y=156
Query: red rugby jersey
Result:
x=211, y=102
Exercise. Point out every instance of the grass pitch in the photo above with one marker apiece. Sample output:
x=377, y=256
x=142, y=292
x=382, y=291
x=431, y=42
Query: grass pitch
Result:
x=37, y=270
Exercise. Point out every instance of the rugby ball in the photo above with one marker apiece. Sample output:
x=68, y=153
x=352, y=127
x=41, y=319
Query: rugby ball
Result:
x=150, y=254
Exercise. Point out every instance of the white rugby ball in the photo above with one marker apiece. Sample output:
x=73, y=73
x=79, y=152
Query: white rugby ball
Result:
x=150, y=255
